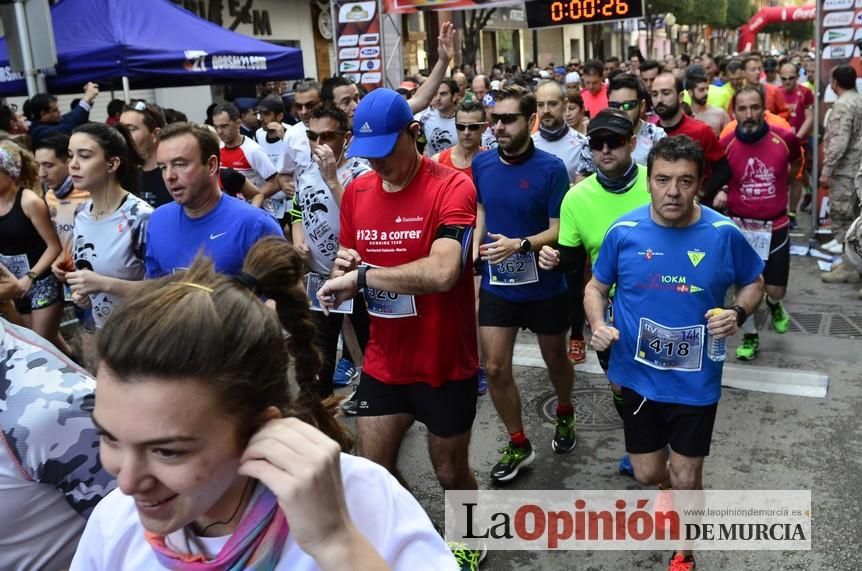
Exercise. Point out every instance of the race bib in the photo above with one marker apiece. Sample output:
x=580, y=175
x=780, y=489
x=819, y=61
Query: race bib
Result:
x=313, y=283
x=389, y=305
x=669, y=348
x=518, y=269
x=279, y=205
x=758, y=233
x=17, y=264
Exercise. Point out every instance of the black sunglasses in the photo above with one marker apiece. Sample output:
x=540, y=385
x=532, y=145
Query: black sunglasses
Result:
x=470, y=126
x=325, y=137
x=624, y=105
x=504, y=118
x=598, y=142
x=791, y=78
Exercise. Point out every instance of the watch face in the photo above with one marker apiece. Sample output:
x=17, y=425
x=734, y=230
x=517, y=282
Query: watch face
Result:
x=324, y=24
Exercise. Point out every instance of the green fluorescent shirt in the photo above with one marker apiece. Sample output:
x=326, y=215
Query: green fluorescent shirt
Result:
x=588, y=211
x=720, y=96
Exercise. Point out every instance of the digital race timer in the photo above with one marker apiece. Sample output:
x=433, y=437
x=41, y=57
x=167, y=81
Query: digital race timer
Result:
x=544, y=13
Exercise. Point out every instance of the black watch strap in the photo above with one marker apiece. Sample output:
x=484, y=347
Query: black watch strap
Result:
x=361, y=278
x=525, y=246
x=741, y=315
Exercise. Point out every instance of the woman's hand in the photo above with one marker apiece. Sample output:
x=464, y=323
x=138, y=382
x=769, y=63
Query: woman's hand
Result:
x=85, y=281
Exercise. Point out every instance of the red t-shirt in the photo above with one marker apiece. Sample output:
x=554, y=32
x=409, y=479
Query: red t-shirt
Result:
x=703, y=134
x=759, y=180
x=438, y=343
x=595, y=103
x=798, y=101
x=446, y=159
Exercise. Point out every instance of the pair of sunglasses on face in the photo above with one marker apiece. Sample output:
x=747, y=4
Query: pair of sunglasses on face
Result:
x=470, y=126
x=613, y=142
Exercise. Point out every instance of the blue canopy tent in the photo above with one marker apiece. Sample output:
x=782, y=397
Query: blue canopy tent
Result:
x=154, y=44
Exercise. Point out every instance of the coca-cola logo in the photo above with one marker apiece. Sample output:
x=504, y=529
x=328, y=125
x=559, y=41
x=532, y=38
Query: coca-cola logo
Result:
x=804, y=14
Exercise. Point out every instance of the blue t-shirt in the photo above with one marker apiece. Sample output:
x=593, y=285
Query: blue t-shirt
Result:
x=666, y=281
x=518, y=201
x=225, y=234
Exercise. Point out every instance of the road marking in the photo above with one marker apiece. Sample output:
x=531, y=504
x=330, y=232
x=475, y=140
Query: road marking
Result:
x=793, y=382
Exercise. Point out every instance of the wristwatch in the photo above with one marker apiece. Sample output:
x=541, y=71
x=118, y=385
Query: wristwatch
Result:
x=32, y=275
x=361, y=278
x=525, y=246
x=741, y=315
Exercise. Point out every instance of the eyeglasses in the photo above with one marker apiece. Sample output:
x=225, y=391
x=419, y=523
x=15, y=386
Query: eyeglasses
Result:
x=790, y=78
x=469, y=126
x=624, y=105
x=309, y=106
x=504, y=118
x=598, y=142
x=324, y=137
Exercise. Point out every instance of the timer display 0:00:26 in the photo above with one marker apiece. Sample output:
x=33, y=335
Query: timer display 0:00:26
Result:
x=587, y=9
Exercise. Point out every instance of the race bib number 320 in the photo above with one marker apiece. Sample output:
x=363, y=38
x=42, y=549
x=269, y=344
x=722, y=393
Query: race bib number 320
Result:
x=669, y=348
x=389, y=305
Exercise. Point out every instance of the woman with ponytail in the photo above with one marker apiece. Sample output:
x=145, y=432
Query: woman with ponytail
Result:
x=218, y=468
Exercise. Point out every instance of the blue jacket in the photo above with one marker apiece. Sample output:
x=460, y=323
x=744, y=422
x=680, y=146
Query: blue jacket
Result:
x=77, y=116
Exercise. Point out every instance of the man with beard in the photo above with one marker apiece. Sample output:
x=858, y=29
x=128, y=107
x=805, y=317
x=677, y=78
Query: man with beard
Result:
x=698, y=89
x=775, y=102
x=438, y=121
x=762, y=158
x=554, y=135
x=520, y=189
x=667, y=94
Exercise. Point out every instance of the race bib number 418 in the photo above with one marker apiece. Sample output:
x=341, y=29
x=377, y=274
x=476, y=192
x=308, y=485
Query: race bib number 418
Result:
x=669, y=348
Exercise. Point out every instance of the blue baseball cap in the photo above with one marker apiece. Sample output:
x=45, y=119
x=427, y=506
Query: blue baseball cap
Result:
x=377, y=122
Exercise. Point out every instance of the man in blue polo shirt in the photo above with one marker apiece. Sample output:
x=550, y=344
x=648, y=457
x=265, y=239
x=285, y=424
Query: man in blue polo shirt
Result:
x=520, y=189
x=201, y=218
x=672, y=262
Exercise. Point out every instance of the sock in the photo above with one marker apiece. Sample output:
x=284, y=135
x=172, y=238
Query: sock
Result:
x=748, y=327
x=772, y=305
x=565, y=409
x=518, y=438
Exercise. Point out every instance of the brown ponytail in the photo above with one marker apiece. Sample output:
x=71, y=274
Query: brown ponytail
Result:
x=214, y=328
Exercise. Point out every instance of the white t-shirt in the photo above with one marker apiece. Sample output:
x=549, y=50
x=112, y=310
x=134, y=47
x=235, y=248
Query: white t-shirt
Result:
x=50, y=475
x=389, y=517
x=250, y=161
x=113, y=246
x=649, y=135
x=439, y=131
x=274, y=151
x=569, y=149
x=297, y=151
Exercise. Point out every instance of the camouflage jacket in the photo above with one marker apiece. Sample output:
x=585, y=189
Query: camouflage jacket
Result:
x=842, y=142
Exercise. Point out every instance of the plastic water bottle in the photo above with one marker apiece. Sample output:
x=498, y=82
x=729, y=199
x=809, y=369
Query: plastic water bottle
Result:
x=716, y=349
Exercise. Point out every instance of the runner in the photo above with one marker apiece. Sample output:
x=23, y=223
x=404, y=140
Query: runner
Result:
x=297, y=152
x=50, y=474
x=554, y=135
x=800, y=102
x=672, y=263
x=409, y=223
x=110, y=232
x=697, y=86
x=315, y=224
x=667, y=95
x=29, y=245
x=271, y=138
x=242, y=153
x=575, y=117
x=520, y=218
x=595, y=91
x=216, y=465
x=762, y=159
x=626, y=92
x=201, y=218
x=470, y=124
x=438, y=120
x=144, y=121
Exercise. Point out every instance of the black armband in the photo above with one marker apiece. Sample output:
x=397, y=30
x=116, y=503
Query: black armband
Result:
x=719, y=177
x=461, y=234
x=572, y=259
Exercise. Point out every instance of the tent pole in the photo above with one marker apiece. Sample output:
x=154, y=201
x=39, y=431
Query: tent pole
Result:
x=26, y=54
x=126, y=89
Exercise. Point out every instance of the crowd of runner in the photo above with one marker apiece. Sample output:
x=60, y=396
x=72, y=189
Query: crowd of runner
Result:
x=644, y=205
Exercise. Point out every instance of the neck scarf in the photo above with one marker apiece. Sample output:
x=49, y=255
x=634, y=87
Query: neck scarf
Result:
x=256, y=544
x=754, y=137
x=518, y=159
x=619, y=185
x=552, y=136
x=64, y=189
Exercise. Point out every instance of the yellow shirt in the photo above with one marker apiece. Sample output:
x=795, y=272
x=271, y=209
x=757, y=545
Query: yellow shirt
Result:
x=720, y=96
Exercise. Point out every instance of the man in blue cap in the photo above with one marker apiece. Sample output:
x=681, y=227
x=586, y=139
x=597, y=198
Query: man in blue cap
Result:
x=406, y=237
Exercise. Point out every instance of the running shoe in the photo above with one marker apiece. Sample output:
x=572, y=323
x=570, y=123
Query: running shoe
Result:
x=806, y=200
x=793, y=224
x=345, y=373
x=349, y=405
x=514, y=458
x=625, y=467
x=780, y=318
x=564, y=434
x=681, y=562
x=467, y=559
x=577, y=351
x=749, y=348
x=483, y=382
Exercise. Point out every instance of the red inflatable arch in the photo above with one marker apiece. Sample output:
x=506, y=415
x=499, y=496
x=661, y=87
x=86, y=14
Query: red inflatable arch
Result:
x=771, y=15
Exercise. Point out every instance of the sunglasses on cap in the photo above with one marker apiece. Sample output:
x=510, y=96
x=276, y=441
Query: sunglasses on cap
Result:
x=624, y=105
x=325, y=137
x=598, y=142
x=504, y=118
x=469, y=126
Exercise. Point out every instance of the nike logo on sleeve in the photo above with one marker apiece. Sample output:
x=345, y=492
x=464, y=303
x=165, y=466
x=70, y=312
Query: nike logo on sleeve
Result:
x=214, y=236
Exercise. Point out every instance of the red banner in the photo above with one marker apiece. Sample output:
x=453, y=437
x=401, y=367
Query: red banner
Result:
x=410, y=6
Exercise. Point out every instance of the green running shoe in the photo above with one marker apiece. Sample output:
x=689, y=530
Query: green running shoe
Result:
x=780, y=318
x=514, y=458
x=749, y=348
x=467, y=559
x=564, y=435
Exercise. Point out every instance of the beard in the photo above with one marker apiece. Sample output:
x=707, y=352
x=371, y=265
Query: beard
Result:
x=667, y=111
x=515, y=144
x=700, y=102
x=749, y=126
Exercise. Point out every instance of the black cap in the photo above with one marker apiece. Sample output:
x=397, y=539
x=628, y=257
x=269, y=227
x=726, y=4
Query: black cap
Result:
x=613, y=122
x=245, y=103
x=273, y=103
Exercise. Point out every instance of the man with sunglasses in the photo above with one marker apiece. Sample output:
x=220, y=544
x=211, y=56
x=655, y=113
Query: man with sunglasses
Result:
x=470, y=124
x=520, y=189
x=800, y=102
x=554, y=135
x=297, y=152
x=667, y=97
x=315, y=224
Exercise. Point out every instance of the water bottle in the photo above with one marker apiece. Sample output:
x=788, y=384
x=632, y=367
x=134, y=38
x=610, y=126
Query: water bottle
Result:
x=716, y=349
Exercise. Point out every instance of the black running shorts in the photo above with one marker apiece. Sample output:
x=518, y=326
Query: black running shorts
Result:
x=777, y=270
x=544, y=317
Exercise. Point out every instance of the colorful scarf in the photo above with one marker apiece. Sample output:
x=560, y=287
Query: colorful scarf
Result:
x=256, y=544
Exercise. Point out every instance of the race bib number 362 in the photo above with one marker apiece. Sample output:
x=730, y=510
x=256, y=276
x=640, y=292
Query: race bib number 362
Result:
x=669, y=348
x=518, y=269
